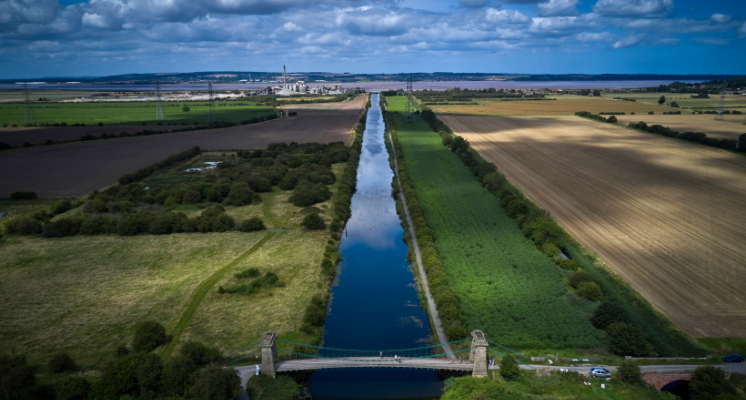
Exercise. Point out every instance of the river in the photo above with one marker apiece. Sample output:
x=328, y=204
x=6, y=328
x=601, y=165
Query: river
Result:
x=374, y=302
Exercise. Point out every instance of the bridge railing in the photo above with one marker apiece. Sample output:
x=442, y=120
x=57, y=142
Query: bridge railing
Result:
x=295, y=349
x=460, y=356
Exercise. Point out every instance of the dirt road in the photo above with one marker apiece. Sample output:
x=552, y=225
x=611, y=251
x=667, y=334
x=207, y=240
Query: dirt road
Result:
x=667, y=216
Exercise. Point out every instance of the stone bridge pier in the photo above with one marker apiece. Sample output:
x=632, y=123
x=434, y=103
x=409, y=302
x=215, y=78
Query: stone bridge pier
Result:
x=661, y=379
x=269, y=354
x=478, y=355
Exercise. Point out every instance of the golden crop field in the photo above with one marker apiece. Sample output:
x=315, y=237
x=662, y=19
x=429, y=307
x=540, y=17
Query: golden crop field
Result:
x=552, y=107
x=667, y=216
x=730, y=128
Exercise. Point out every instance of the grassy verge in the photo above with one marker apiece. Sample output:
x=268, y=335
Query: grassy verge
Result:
x=503, y=284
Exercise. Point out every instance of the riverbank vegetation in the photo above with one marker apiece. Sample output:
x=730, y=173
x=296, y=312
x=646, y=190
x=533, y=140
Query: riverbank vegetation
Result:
x=634, y=327
x=501, y=282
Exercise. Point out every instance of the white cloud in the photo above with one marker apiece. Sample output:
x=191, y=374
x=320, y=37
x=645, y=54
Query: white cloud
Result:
x=630, y=41
x=291, y=27
x=742, y=30
x=720, y=18
x=715, y=41
x=45, y=46
x=505, y=16
x=95, y=21
x=633, y=8
x=558, y=7
x=594, y=37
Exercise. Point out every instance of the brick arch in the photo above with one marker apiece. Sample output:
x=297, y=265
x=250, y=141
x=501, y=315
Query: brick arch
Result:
x=661, y=379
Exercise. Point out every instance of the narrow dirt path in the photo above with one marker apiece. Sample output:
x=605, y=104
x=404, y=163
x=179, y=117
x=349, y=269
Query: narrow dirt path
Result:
x=201, y=292
x=430, y=302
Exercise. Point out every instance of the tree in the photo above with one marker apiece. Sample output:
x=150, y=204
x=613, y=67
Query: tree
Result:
x=199, y=353
x=61, y=362
x=674, y=104
x=508, y=369
x=216, y=383
x=178, y=375
x=266, y=387
x=597, y=93
x=629, y=372
x=149, y=374
x=589, y=291
x=252, y=224
x=628, y=340
x=148, y=336
x=185, y=108
x=579, y=277
x=607, y=313
x=313, y=222
x=73, y=388
x=611, y=119
x=708, y=383
x=741, y=146
x=662, y=100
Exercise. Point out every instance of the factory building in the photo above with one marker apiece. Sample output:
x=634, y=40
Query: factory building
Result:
x=300, y=87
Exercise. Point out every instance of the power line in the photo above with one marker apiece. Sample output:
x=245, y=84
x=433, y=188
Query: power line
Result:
x=158, y=106
x=29, y=110
x=211, y=117
x=409, y=109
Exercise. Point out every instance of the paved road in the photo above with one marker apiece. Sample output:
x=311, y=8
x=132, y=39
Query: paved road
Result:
x=430, y=303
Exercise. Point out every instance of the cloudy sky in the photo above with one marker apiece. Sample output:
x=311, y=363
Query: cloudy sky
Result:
x=44, y=38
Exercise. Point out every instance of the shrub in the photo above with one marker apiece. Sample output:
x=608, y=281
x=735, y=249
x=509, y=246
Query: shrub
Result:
x=199, y=353
x=611, y=119
x=149, y=374
x=62, y=227
x=589, y=291
x=252, y=224
x=249, y=273
x=185, y=108
x=629, y=372
x=23, y=195
x=148, y=336
x=178, y=375
x=23, y=226
x=223, y=223
x=280, y=388
x=191, y=197
x=61, y=362
x=741, y=144
x=306, y=194
x=215, y=383
x=579, y=277
x=569, y=264
x=608, y=313
x=313, y=222
x=73, y=388
x=240, y=195
x=708, y=383
x=508, y=369
x=628, y=340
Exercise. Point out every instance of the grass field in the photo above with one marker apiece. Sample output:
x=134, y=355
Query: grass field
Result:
x=131, y=113
x=732, y=102
x=83, y=294
x=665, y=215
x=564, y=105
x=730, y=128
x=76, y=169
x=506, y=286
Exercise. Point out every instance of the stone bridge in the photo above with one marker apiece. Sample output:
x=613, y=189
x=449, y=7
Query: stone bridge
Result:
x=661, y=379
x=477, y=363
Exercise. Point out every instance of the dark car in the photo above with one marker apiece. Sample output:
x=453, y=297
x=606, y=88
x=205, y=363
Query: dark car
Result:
x=734, y=358
x=598, y=372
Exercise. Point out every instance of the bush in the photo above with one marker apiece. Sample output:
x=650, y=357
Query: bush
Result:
x=579, y=277
x=252, y=224
x=148, y=336
x=23, y=226
x=607, y=313
x=313, y=222
x=589, y=291
x=611, y=119
x=629, y=372
x=62, y=227
x=240, y=195
x=23, y=195
x=265, y=387
x=185, y=108
x=741, y=144
x=508, y=369
x=708, y=383
x=223, y=223
x=73, y=388
x=61, y=362
x=306, y=194
x=215, y=383
x=149, y=374
x=178, y=375
x=628, y=340
x=199, y=353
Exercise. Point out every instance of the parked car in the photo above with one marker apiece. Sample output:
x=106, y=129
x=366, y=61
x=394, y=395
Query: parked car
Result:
x=598, y=372
x=734, y=358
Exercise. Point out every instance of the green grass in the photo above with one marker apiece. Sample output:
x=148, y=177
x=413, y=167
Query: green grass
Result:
x=506, y=286
x=131, y=113
x=685, y=100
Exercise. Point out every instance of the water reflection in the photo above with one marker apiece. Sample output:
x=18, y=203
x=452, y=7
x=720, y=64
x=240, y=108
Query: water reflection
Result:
x=374, y=304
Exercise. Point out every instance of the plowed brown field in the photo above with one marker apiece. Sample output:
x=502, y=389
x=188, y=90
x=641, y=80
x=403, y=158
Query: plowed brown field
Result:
x=17, y=136
x=76, y=169
x=730, y=128
x=667, y=216
x=552, y=107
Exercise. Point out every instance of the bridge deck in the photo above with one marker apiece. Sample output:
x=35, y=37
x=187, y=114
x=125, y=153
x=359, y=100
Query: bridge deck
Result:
x=371, y=362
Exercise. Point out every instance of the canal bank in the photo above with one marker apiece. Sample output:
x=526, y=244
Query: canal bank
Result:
x=374, y=301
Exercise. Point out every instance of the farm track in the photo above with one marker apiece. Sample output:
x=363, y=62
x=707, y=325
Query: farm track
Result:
x=77, y=169
x=730, y=128
x=665, y=215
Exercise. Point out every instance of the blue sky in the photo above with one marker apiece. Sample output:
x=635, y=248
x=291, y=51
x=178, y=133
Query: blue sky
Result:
x=43, y=38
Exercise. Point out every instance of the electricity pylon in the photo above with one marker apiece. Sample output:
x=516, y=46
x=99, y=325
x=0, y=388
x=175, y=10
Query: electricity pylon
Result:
x=211, y=117
x=409, y=108
x=158, y=106
x=721, y=111
x=29, y=110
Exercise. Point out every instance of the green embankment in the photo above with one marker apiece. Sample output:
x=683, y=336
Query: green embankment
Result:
x=132, y=113
x=505, y=285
